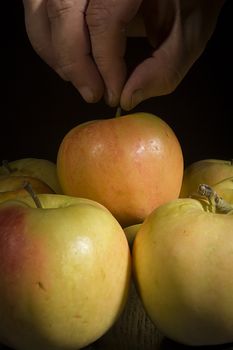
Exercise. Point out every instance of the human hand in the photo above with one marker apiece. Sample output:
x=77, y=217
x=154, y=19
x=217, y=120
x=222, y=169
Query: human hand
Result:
x=85, y=41
x=179, y=31
x=58, y=31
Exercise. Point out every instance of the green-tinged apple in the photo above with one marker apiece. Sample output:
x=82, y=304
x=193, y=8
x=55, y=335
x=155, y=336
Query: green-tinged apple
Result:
x=130, y=232
x=183, y=267
x=133, y=330
x=131, y=164
x=224, y=189
x=13, y=186
x=65, y=271
x=42, y=169
x=207, y=171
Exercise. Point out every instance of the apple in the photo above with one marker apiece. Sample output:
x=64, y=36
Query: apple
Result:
x=207, y=171
x=42, y=169
x=14, y=186
x=65, y=271
x=131, y=164
x=183, y=267
x=224, y=189
x=131, y=232
x=133, y=330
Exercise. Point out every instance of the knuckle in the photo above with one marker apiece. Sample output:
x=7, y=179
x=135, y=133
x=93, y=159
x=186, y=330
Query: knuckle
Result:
x=58, y=8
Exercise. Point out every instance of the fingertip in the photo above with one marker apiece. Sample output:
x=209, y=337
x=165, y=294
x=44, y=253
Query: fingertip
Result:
x=151, y=78
x=132, y=100
x=89, y=86
x=132, y=96
x=87, y=94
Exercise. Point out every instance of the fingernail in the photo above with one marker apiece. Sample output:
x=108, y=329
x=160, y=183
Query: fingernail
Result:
x=87, y=94
x=136, y=98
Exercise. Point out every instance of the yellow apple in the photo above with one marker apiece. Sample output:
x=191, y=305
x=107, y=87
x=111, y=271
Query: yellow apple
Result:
x=207, y=171
x=130, y=232
x=43, y=169
x=13, y=186
x=183, y=268
x=130, y=164
x=133, y=330
x=225, y=189
x=64, y=272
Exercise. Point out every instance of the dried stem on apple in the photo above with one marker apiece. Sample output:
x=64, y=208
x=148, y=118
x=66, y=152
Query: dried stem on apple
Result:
x=217, y=204
x=28, y=187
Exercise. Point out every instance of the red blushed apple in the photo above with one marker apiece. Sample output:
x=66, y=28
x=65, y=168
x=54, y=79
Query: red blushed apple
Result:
x=130, y=164
x=64, y=272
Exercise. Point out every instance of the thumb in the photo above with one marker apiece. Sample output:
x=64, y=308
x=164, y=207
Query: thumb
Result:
x=157, y=75
x=160, y=74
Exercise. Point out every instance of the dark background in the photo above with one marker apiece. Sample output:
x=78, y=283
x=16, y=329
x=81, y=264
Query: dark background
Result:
x=41, y=107
x=38, y=108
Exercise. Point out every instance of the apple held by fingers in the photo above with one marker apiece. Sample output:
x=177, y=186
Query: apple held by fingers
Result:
x=64, y=272
x=42, y=169
x=208, y=171
x=130, y=164
x=183, y=266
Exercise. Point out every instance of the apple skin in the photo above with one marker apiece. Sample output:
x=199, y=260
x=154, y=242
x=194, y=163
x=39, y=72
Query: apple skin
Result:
x=65, y=272
x=42, y=169
x=207, y=171
x=130, y=164
x=131, y=232
x=133, y=330
x=13, y=186
x=224, y=189
x=183, y=267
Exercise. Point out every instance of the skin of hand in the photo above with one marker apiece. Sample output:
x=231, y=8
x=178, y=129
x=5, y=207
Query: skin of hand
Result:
x=85, y=42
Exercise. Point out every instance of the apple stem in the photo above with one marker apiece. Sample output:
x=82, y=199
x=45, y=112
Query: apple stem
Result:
x=28, y=187
x=217, y=203
x=118, y=112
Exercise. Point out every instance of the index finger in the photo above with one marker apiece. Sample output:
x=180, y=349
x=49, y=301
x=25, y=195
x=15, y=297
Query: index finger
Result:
x=71, y=44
